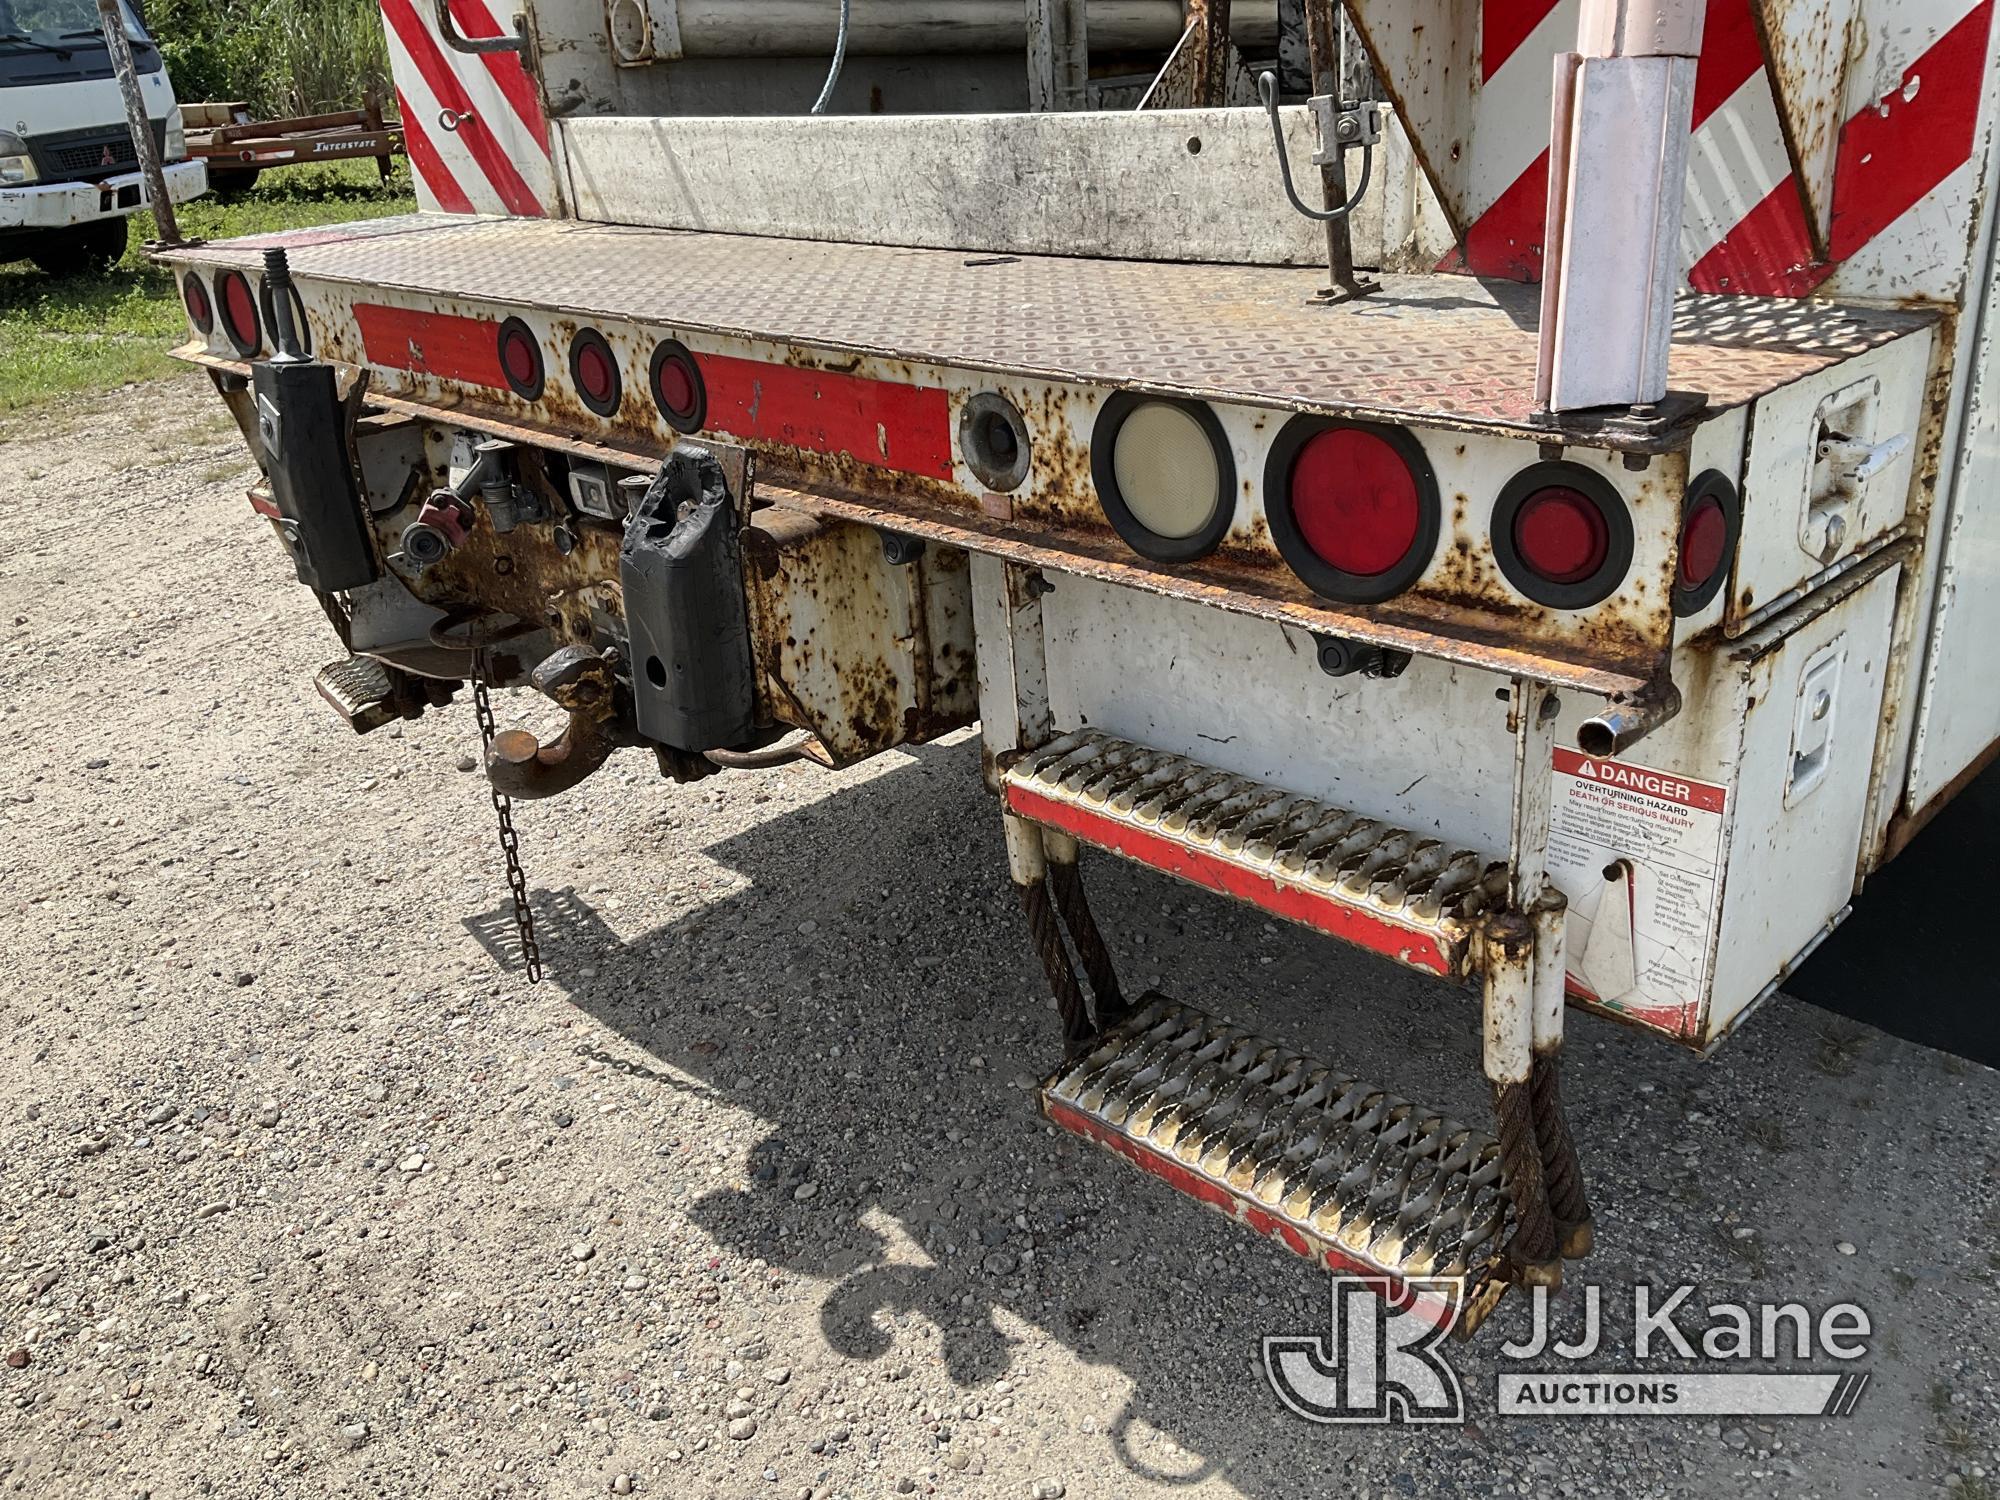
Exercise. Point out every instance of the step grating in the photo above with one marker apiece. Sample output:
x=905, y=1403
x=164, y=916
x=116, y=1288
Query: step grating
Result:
x=360, y=691
x=1338, y=1170
x=1416, y=899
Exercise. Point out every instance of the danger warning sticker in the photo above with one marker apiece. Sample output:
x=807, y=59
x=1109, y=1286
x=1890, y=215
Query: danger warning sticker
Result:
x=1638, y=852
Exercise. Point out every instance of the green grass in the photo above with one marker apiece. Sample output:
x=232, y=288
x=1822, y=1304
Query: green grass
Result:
x=81, y=335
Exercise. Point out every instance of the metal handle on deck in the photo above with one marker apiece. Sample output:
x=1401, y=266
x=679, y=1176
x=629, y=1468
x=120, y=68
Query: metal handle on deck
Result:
x=449, y=34
x=1267, y=90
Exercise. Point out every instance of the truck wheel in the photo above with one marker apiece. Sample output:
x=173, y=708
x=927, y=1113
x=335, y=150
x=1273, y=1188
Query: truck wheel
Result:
x=231, y=182
x=89, y=250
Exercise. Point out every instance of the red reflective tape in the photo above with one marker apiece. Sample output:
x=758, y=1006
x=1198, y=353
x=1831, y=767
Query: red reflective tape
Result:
x=264, y=505
x=1407, y=945
x=429, y=165
x=1506, y=240
x=449, y=91
x=1731, y=55
x=441, y=344
x=1503, y=26
x=879, y=422
x=476, y=21
x=1890, y=157
x=1894, y=152
x=1768, y=254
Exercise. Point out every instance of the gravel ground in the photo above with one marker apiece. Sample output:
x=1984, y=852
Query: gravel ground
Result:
x=304, y=1191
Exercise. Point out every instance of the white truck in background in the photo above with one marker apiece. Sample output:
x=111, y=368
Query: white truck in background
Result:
x=69, y=172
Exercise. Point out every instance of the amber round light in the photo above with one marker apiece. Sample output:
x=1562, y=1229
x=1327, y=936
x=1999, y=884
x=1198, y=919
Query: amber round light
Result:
x=239, y=312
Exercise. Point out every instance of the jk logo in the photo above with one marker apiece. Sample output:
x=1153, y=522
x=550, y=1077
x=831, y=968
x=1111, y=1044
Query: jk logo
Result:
x=1380, y=1362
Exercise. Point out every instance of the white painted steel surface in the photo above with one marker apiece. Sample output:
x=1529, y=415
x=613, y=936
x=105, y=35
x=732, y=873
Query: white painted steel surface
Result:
x=1884, y=388
x=1142, y=185
x=1431, y=750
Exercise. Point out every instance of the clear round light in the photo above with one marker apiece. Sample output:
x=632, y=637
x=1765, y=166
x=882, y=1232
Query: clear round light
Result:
x=1166, y=471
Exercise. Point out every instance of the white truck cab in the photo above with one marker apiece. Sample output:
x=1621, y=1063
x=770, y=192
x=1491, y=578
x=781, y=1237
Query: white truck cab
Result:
x=69, y=171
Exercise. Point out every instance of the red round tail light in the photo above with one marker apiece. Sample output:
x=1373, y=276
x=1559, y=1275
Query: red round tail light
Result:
x=1164, y=475
x=1711, y=518
x=239, y=312
x=1562, y=535
x=521, y=360
x=200, y=311
x=594, y=368
x=1352, y=506
x=678, y=389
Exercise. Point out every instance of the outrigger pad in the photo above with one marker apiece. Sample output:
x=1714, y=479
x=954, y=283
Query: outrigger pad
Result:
x=1339, y=1171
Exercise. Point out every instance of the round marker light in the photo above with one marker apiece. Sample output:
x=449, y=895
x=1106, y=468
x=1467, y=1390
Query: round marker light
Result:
x=1352, y=506
x=1703, y=536
x=678, y=389
x=200, y=311
x=1711, y=518
x=595, y=370
x=521, y=360
x=1562, y=535
x=1164, y=475
x=239, y=312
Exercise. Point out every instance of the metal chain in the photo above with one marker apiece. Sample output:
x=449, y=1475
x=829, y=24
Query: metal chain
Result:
x=510, y=843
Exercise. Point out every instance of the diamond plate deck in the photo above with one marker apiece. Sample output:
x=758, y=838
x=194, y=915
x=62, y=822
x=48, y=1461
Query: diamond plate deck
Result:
x=1414, y=899
x=1446, y=350
x=1338, y=1170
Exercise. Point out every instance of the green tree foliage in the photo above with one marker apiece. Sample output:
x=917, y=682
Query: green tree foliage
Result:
x=283, y=57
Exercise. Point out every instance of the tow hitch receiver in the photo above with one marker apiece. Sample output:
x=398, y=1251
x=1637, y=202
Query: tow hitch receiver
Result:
x=1339, y=1171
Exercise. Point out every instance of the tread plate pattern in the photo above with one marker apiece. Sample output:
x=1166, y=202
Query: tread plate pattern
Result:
x=1337, y=1169
x=1441, y=348
x=1292, y=846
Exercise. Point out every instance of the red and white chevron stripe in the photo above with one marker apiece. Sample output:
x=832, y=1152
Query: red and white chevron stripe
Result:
x=474, y=128
x=1905, y=163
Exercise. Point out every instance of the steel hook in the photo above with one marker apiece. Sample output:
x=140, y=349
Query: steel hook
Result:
x=1267, y=90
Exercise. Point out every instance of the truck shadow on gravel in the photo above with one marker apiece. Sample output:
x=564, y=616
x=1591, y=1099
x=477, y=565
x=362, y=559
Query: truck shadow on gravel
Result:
x=870, y=997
